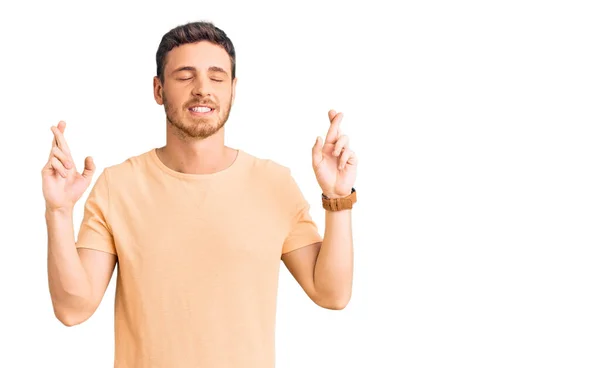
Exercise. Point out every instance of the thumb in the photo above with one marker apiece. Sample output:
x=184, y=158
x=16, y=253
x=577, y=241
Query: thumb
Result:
x=89, y=168
x=317, y=151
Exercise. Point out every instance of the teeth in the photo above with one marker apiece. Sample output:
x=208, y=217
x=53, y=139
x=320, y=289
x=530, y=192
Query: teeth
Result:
x=201, y=109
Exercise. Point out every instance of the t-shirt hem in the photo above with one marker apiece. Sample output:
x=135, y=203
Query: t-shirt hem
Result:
x=301, y=244
x=110, y=251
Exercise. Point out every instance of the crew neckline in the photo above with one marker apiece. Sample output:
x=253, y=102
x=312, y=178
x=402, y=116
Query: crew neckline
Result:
x=239, y=158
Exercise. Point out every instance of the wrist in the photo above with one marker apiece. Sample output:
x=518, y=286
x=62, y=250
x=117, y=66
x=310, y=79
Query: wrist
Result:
x=339, y=203
x=58, y=211
x=335, y=196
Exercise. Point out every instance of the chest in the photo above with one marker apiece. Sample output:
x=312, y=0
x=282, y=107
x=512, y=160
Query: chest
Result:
x=199, y=227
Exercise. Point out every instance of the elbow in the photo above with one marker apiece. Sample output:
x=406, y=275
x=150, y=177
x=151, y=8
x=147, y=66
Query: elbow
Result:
x=334, y=303
x=333, y=298
x=69, y=322
x=337, y=305
x=70, y=318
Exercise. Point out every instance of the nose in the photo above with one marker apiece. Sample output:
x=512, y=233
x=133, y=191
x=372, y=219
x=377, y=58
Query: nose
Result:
x=201, y=86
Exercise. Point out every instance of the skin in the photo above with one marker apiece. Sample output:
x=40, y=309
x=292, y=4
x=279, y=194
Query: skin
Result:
x=324, y=270
x=194, y=74
x=77, y=278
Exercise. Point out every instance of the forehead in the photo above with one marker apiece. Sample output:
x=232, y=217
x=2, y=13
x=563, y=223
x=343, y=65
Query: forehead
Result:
x=200, y=55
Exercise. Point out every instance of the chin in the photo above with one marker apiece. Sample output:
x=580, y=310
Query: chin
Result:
x=197, y=127
x=203, y=129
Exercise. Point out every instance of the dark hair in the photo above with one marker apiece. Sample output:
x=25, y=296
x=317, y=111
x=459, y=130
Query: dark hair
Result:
x=190, y=33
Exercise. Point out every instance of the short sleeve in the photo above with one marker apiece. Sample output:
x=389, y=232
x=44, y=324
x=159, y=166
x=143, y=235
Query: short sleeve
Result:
x=94, y=232
x=303, y=230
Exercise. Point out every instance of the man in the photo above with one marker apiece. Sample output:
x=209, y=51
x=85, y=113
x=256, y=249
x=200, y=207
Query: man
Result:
x=198, y=229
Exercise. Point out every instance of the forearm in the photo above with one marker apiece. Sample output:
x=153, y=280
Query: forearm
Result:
x=334, y=264
x=68, y=281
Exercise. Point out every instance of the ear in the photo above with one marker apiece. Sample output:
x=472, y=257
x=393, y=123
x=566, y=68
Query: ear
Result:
x=233, y=84
x=158, y=91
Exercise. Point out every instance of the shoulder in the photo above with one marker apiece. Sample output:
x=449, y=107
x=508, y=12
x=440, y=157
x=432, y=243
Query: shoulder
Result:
x=276, y=176
x=267, y=167
x=127, y=169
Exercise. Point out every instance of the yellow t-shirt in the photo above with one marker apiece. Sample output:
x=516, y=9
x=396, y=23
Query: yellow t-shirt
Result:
x=198, y=258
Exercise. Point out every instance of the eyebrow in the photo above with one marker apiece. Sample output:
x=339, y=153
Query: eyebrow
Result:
x=193, y=69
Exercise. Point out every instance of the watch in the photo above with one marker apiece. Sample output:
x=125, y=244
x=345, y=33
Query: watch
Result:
x=339, y=204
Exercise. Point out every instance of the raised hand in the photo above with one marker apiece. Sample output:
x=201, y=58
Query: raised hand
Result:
x=334, y=163
x=62, y=185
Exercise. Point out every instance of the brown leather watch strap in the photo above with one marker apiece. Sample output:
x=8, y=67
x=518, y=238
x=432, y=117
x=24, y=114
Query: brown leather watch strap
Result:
x=339, y=204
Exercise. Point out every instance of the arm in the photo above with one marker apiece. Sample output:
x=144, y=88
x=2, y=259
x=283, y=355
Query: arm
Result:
x=77, y=278
x=324, y=270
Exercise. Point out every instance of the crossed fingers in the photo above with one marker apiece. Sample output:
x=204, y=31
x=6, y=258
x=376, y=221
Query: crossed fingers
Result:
x=340, y=141
x=60, y=159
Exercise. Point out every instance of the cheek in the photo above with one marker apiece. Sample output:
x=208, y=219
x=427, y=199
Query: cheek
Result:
x=225, y=96
x=174, y=96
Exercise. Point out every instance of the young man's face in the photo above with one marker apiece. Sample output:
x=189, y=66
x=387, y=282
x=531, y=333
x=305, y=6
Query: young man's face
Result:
x=198, y=90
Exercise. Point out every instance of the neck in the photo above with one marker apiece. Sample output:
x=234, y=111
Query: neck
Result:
x=197, y=156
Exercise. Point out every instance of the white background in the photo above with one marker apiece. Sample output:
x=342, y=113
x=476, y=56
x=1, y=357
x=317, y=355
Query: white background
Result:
x=476, y=127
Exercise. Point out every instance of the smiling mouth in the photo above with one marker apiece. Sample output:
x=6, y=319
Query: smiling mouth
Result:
x=201, y=109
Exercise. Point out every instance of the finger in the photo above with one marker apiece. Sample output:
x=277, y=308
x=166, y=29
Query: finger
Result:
x=317, y=151
x=88, y=168
x=342, y=143
x=346, y=159
x=58, y=167
x=332, y=114
x=62, y=157
x=334, y=129
x=61, y=127
x=60, y=139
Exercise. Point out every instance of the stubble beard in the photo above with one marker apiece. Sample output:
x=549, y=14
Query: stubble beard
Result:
x=190, y=128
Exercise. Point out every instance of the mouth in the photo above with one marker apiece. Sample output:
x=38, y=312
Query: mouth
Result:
x=201, y=110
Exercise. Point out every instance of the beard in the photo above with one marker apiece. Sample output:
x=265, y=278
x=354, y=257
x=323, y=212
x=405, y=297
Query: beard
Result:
x=190, y=127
